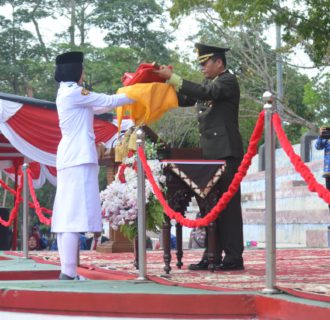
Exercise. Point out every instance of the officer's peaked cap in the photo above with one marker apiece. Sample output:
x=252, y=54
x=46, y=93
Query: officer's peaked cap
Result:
x=205, y=52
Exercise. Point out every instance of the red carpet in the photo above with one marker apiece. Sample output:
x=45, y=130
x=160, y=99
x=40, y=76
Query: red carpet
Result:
x=302, y=272
x=5, y=258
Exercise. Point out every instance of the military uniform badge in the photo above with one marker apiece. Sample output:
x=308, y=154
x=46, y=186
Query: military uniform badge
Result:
x=84, y=92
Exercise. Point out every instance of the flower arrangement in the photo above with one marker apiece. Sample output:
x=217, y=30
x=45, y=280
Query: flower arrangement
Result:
x=119, y=199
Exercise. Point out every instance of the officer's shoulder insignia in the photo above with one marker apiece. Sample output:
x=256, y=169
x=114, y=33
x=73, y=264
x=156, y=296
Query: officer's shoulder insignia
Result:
x=209, y=103
x=84, y=92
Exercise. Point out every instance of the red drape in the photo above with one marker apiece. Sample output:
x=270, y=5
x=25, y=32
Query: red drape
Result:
x=40, y=127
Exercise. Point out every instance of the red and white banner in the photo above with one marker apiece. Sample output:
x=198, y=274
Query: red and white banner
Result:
x=31, y=134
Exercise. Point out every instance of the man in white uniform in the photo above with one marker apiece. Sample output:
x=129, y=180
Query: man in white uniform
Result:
x=77, y=205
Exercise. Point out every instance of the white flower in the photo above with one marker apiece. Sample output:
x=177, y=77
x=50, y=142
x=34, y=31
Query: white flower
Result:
x=130, y=175
x=119, y=199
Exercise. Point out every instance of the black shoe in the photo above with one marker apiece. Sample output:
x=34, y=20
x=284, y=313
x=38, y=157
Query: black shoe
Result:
x=230, y=266
x=63, y=276
x=201, y=265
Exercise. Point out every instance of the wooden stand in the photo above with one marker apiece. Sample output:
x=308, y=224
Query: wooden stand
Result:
x=117, y=243
x=179, y=195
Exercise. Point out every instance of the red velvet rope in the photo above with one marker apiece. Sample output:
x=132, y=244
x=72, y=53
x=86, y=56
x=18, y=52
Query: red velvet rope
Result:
x=14, y=211
x=38, y=210
x=5, y=186
x=226, y=197
x=35, y=205
x=298, y=164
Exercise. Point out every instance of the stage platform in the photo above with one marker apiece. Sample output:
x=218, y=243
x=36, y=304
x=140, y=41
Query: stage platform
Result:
x=112, y=288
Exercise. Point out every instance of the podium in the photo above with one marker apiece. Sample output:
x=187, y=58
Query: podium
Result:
x=179, y=193
x=185, y=179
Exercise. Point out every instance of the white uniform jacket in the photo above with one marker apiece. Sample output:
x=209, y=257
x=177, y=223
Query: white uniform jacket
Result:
x=77, y=205
x=76, y=107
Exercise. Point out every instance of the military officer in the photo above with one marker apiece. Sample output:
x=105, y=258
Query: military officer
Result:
x=217, y=102
x=77, y=205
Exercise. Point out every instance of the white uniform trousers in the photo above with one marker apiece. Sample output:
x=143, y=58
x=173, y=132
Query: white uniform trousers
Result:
x=77, y=206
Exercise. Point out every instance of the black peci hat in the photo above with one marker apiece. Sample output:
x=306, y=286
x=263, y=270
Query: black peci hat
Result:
x=70, y=57
x=205, y=52
x=69, y=66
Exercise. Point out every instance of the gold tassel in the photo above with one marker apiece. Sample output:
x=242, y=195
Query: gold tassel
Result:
x=124, y=149
x=132, y=141
x=119, y=152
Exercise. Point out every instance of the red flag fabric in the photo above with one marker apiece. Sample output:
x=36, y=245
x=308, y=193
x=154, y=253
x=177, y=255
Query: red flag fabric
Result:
x=143, y=74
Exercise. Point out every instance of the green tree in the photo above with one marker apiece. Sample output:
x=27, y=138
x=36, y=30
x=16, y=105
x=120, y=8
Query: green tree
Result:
x=16, y=56
x=131, y=23
x=46, y=195
x=104, y=67
x=79, y=15
x=305, y=22
x=317, y=98
x=26, y=12
x=294, y=86
x=24, y=61
x=252, y=60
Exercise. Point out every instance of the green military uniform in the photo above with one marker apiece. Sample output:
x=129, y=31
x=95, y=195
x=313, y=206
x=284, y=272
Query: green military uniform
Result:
x=217, y=103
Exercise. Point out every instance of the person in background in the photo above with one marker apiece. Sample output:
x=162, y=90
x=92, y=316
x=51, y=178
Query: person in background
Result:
x=197, y=238
x=217, y=103
x=53, y=244
x=173, y=241
x=149, y=245
x=83, y=241
x=93, y=242
x=77, y=205
x=323, y=143
x=34, y=242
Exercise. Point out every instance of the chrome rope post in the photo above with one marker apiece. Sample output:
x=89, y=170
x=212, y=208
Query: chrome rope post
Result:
x=141, y=197
x=25, y=212
x=268, y=99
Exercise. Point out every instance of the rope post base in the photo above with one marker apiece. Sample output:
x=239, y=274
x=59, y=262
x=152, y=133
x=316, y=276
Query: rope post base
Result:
x=270, y=291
